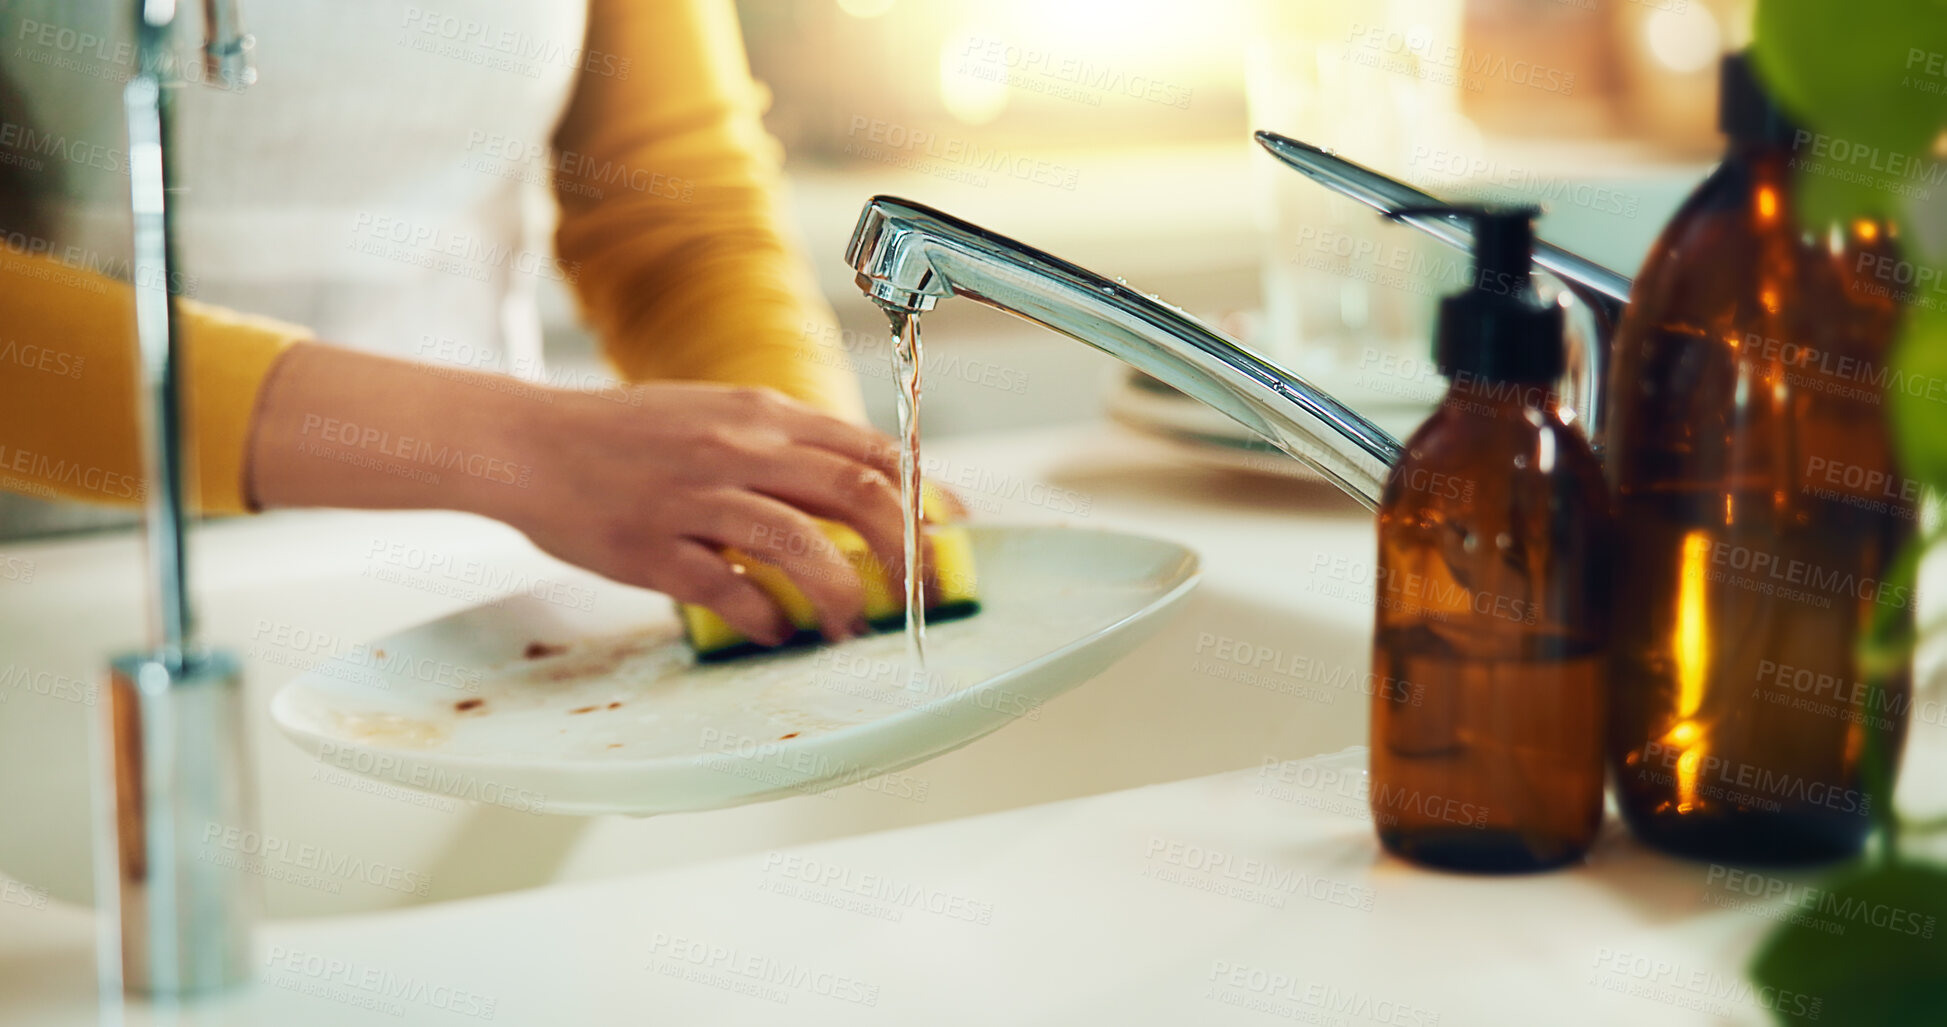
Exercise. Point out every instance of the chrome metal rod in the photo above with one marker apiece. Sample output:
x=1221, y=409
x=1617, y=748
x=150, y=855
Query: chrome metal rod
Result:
x=159, y=398
x=909, y=256
x=177, y=907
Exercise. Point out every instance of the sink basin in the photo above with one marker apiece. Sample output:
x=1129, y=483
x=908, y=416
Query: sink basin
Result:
x=1264, y=661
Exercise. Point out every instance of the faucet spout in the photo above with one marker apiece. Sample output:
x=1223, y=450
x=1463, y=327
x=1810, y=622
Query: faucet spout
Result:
x=908, y=257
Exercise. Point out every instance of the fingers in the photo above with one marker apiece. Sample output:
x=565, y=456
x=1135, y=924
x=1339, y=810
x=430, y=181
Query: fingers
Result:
x=827, y=485
x=696, y=574
x=814, y=428
x=816, y=566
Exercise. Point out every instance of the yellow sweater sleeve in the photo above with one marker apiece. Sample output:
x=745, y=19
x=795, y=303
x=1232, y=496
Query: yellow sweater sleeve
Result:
x=68, y=385
x=670, y=214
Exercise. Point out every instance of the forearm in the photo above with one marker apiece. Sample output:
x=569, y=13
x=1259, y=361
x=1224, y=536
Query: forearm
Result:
x=69, y=382
x=341, y=428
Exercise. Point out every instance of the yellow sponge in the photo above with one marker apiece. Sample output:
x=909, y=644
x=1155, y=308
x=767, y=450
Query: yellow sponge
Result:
x=885, y=607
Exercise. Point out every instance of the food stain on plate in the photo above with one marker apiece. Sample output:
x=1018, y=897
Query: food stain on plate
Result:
x=390, y=729
x=641, y=654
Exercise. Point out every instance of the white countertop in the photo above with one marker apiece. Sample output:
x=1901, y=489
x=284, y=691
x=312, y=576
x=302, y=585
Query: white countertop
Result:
x=1240, y=898
x=1244, y=897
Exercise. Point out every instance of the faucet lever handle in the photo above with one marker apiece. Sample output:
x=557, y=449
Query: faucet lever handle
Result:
x=226, y=47
x=1602, y=292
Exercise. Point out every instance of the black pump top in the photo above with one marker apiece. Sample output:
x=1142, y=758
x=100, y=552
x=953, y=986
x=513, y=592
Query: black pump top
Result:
x=1746, y=111
x=1499, y=329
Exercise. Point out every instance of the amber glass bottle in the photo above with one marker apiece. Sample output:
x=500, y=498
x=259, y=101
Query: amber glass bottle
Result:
x=1492, y=595
x=1762, y=509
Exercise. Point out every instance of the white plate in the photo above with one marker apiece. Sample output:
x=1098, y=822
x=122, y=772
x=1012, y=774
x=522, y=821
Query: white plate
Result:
x=1209, y=438
x=622, y=720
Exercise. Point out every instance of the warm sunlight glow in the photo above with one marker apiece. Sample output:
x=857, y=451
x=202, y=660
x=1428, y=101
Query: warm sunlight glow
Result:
x=1692, y=641
x=1684, y=39
x=973, y=92
x=865, y=8
x=1687, y=765
x=1692, y=647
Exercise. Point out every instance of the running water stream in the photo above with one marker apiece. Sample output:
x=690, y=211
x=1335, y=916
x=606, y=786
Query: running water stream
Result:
x=906, y=372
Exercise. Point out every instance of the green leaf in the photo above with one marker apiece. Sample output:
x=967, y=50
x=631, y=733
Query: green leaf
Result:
x=1870, y=80
x=1886, y=967
x=1826, y=195
x=1866, y=72
x=1918, y=410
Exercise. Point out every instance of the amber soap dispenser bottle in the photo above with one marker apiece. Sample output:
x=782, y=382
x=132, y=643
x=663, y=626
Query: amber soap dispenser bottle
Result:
x=1764, y=512
x=1492, y=592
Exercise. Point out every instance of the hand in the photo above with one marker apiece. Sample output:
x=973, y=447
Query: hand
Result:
x=648, y=494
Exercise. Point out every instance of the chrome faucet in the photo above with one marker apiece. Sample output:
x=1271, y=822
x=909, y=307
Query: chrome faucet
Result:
x=176, y=915
x=909, y=257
